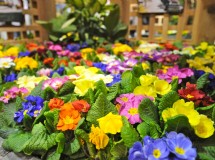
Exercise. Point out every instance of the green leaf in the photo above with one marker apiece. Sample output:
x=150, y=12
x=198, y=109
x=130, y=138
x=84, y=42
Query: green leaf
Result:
x=101, y=85
x=213, y=114
x=16, y=141
x=68, y=23
x=37, y=91
x=138, y=70
x=40, y=140
x=167, y=100
x=145, y=129
x=119, y=150
x=8, y=113
x=48, y=93
x=19, y=101
x=67, y=88
x=6, y=131
x=100, y=109
x=60, y=139
x=51, y=121
x=128, y=82
x=28, y=122
x=208, y=154
x=75, y=146
x=174, y=84
x=177, y=123
x=202, y=81
x=129, y=135
x=54, y=156
x=113, y=91
x=40, y=117
x=148, y=111
x=89, y=96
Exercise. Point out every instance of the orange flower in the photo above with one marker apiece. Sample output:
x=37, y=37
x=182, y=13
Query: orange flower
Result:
x=31, y=46
x=64, y=62
x=55, y=103
x=81, y=105
x=68, y=117
x=48, y=61
x=89, y=63
x=100, y=50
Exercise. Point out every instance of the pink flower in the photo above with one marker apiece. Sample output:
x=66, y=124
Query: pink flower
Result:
x=44, y=72
x=63, y=53
x=55, y=83
x=55, y=47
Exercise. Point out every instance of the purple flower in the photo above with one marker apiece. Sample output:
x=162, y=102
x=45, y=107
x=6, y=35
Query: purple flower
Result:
x=18, y=116
x=181, y=146
x=100, y=65
x=156, y=150
x=73, y=47
x=60, y=71
x=130, y=62
x=136, y=152
x=10, y=78
x=23, y=54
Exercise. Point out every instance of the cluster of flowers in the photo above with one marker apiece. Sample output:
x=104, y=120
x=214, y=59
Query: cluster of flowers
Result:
x=172, y=146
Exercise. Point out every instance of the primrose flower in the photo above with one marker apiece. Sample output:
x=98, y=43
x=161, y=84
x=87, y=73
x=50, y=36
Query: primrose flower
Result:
x=98, y=137
x=44, y=72
x=119, y=48
x=82, y=86
x=148, y=79
x=12, y=52
x=25, y=62
x=86, y=51
x=10, y=78
x=136, y=152
x=81, y=105
x=181, y=146
x=56, y=47
x=162, y=87
x=55, y=103
x=55, y=83
x=110, y=123
x=6, y=63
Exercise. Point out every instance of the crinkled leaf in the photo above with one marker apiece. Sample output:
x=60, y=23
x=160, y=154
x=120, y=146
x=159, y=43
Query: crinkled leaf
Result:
x=28, y=122
x=177, y=123
x=18, y=103
x=15, y=142
x=8, y=113
x=101, y=85
x=119, y=150
x=67, y=88
x=148, y=111
x=202, y=81
x=37, y=91
x=51, y=121
x=145, y=129
x=167, y=100
x=100, y=109
x=40, y=140
x=6, y=131
x=213, y=114
x=174, y=84
x=60, y=139
x=40, y=117
x=48, y=93
x=54, y=156
x=128, y=82
x=129, y=135
x=113, y=91
x=208, y=154
x=138, y=70
x=90, y=97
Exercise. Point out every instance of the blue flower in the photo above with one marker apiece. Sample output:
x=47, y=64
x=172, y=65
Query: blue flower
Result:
x=60, y=71
x=73, y=47
x=100, y=65
x=156, y=149
x=10, y=78
x=18, y=116
x=116, y=78
x=181, y=146
x=199, y=73
x=136, y=152
x=23, y=54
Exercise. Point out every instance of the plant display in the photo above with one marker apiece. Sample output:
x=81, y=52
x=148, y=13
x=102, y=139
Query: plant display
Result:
x=115, y=101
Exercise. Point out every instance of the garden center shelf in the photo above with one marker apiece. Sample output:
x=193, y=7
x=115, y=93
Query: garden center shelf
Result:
x=27, y=29
x=193, y=25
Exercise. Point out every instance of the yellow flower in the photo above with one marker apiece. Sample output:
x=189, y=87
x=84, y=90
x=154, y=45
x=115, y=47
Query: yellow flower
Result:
x=189, y=50
x=27, y=82
x=148, y=79
x=120, y=48
x=145, y=91
x=82, y=86
x=25, y=62
x=86, y=51
x=187, y=109
x=98, y=137
x=12, y=51
x=203, y=46
x=82, y=70
x=205, y=127
x=145, y=66
x=162, y=87
x=1, y=47
x=110, y=123
x=168, y=113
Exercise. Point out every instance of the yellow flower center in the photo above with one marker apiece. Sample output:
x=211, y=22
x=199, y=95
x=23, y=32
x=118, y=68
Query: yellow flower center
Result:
x=174, y=77
x=36, y=112
x=179, y=150
x=5, y=64
x=201, y=130
x=133, y=111
x=68, y=120
x=189, y=96
x=156, y=153
x=25, y=112
x=124, y=99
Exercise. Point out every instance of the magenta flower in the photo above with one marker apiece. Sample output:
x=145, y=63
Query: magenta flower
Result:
x=175, y=72
x=130, y=62
x=44, y=72
x=55, y=48
x=131, y=55
x=63, y=53
x=55, y=83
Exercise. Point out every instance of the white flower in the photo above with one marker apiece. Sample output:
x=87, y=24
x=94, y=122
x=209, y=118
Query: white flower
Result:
x=6, y=63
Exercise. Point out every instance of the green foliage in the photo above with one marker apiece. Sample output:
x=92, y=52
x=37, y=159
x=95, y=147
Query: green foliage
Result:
x=51, y=120
x=40, y=140
x=37, y=91
x=129, y=134
x=60, y=139
x=128, y=82
x=89, y=96
x=202, y=81
x=15, y=142
x=40, y=117
x=167, y=100
x=208, y=154
x=119, y=150
x=67, y=88
x=174, y=84
x=113, y=91
x=48, y=93
x=8, y=114
x=100, y=108
x=145, y=129
x=101, y=87
x=18, y=103
x=148, y=111
x=138, y=70
x=54, y=156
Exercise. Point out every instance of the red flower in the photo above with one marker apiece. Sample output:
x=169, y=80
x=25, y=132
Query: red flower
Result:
x=64, y=62
x=81, y=105
x=55, y=103
x=48, y=61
